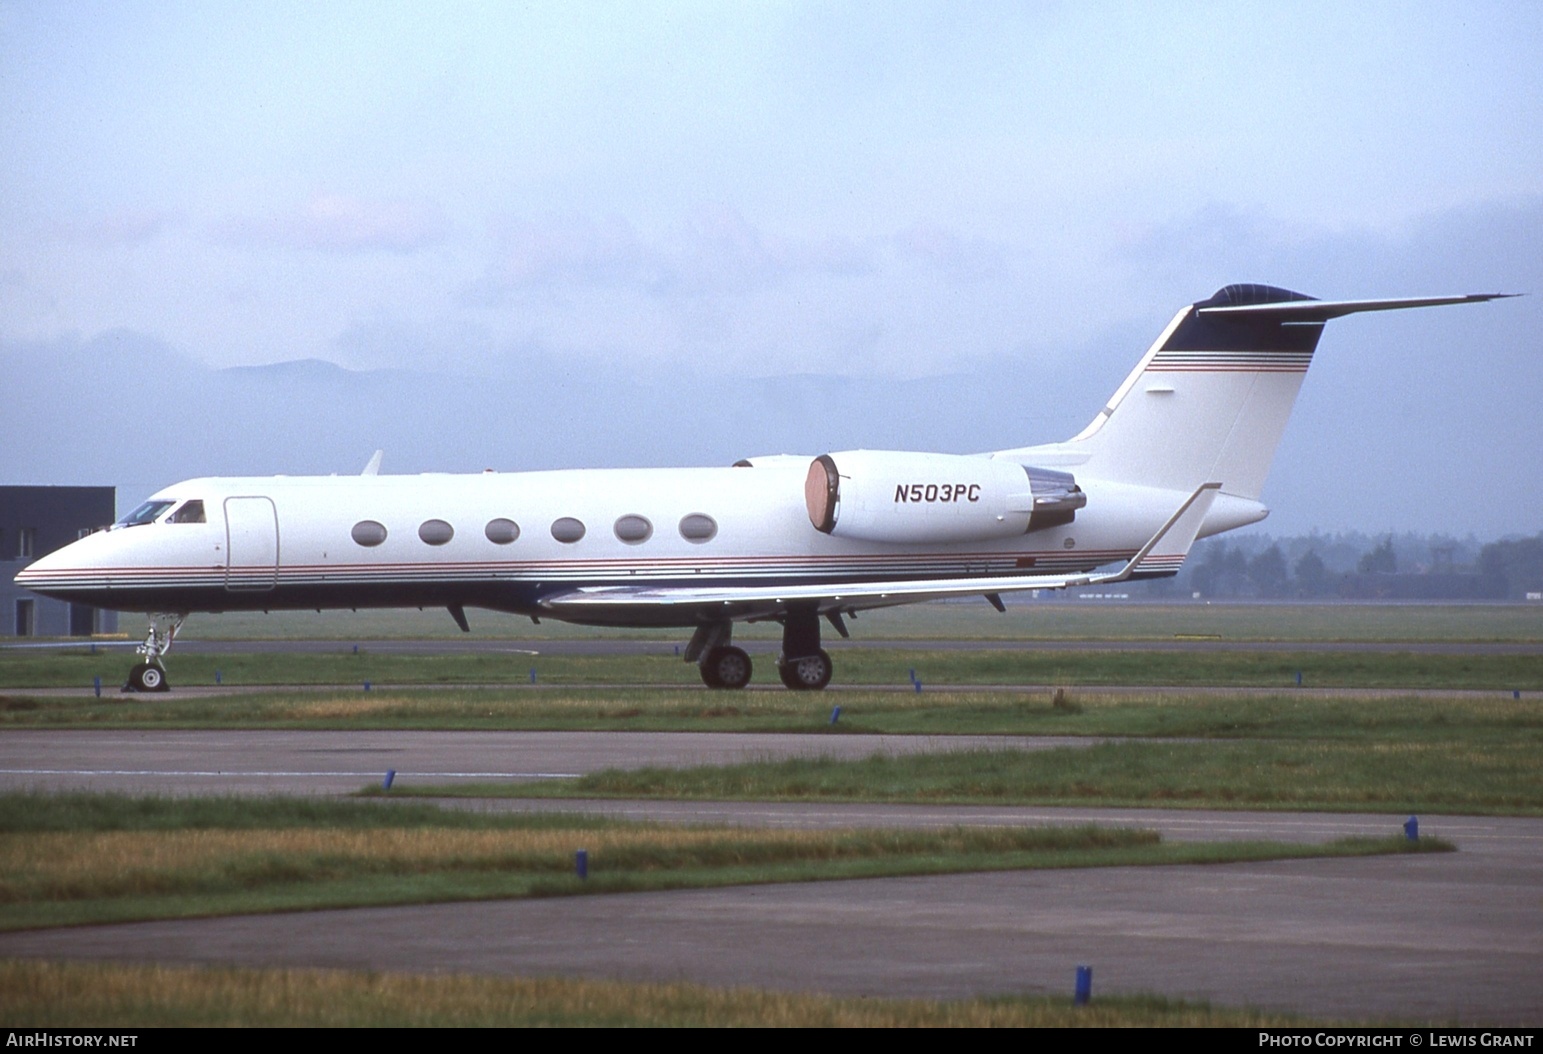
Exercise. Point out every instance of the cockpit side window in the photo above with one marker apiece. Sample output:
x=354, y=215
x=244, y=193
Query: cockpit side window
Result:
x=146, y=513
x=191, y=512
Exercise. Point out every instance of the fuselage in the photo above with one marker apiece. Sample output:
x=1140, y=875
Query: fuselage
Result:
x=505, y=541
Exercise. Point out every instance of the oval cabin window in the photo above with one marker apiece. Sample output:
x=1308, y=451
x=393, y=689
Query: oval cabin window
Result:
x=698, y=527
x=634, y=529
x=567, y=530
x=501, y=531
x=368, y=533
x=435, y=532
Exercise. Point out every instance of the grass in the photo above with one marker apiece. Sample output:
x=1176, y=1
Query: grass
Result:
x=78, y=667
x=1083, y=712
x=1403, y=778
x=74, y=859
x=52, y=995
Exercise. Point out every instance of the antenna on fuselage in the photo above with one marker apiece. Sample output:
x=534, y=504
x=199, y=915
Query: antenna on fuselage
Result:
x=372, y=468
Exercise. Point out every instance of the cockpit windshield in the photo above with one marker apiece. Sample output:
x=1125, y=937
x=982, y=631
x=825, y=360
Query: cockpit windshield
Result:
x=146, y=513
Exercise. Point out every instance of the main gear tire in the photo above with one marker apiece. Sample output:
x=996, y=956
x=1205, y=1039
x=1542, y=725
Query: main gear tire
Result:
x=726, y=667
x=811, y=673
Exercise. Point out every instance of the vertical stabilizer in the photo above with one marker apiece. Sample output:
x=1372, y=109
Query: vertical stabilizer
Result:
x=1210, y=399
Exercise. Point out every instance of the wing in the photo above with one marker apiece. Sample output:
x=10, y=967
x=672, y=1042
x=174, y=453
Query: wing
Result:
x=1161, y=555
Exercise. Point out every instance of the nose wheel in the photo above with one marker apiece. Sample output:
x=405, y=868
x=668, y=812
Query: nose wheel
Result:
x=147, y=677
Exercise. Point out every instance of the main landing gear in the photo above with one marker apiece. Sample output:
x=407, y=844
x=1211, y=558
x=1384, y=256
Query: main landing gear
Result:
x=722, y=664
x=808, y=674
x=150, y=674
x=803, y=665
x=725, y=667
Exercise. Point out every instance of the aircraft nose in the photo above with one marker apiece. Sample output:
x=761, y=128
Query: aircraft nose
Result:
x=51, y=572
x=38, y=570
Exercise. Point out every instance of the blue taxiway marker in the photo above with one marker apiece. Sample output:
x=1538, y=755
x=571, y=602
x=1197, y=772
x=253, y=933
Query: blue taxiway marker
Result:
x=1084, y=990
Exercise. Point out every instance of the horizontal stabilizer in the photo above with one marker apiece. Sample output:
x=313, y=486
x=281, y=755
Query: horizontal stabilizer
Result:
x=1323, y=310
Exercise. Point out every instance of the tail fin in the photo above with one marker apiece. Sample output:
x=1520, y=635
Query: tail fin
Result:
x=1210, y=399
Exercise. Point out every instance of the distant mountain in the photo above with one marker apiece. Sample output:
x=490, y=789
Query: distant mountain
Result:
x=124, y=410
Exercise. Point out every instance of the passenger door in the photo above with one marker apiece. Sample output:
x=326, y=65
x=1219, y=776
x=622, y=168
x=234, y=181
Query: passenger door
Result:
x=251, y=544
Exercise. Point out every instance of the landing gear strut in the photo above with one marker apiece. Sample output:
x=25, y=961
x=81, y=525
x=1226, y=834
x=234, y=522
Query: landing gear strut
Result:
x=150, y=675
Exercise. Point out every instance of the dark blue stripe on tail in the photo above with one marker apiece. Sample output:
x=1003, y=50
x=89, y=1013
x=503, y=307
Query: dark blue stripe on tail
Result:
x=1221, y=333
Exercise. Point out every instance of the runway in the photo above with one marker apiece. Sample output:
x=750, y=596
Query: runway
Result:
x=330, y=763
x=1440, y=937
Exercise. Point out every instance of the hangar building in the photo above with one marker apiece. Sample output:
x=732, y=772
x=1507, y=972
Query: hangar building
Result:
x=34, y=521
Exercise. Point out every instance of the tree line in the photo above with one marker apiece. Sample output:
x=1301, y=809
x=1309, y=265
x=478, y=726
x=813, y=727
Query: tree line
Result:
x=1405, y=566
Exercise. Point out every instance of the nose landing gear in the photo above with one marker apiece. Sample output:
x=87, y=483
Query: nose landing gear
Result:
x=150, y=675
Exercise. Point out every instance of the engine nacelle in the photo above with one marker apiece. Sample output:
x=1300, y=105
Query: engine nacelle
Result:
x=903, y=497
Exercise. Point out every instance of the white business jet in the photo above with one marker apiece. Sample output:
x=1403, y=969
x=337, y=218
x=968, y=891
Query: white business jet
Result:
x=1180, y=452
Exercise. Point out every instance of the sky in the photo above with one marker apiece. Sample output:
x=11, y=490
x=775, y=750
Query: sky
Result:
x=714, y=196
